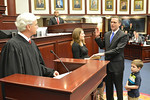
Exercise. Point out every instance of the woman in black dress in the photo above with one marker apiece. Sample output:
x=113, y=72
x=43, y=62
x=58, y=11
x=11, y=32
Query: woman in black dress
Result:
x=79, y=50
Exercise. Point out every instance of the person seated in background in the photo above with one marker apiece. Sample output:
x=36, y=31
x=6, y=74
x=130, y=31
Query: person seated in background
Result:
x=148, y=37
x=136, y=38
x=56, y=20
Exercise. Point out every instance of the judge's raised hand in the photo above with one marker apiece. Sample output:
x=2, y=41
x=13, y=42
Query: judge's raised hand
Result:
x=56, y=73
x=97, y=33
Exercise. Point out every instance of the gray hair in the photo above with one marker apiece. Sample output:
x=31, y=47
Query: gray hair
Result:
x=23, y=20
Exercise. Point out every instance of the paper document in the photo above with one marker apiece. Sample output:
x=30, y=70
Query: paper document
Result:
x=95, y=57
x=61, y=75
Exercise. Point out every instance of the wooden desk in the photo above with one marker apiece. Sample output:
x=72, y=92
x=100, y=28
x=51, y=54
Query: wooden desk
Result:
x=78, y=85
x=69, y=27
x=133, y=51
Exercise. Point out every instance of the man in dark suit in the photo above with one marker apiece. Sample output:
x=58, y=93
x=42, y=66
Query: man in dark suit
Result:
x=56, y=19
x=114, y=43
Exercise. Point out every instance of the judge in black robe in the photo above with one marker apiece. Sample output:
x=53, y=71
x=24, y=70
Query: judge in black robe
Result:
x=19, y=56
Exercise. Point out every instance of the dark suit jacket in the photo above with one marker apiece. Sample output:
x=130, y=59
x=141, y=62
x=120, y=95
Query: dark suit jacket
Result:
x=114, y=52
x=53, y=21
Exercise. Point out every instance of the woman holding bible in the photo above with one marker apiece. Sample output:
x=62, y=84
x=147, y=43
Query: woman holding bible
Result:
x=79, y=49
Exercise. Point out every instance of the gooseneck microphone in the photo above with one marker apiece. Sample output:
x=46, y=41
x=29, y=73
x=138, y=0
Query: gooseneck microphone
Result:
x=60, y=60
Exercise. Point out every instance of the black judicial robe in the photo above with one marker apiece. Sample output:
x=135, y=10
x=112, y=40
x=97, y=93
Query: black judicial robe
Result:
x=19, y=56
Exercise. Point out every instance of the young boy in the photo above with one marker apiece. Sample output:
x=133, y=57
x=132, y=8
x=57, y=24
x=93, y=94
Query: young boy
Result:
x=134, y=81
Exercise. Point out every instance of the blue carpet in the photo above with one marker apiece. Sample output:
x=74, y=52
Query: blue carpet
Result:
x=145, y=74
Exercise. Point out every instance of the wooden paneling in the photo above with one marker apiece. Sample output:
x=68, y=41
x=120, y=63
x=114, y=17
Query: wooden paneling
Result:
x=137, y=52
x=7, y=22
x=89, y=44
x=2, y=2
x=148, y=25
x=64, y=49
x=59, y=44
x=47, y=56
x=2, y=10
x=146, y=54
x=11, y=6
x=0, y=92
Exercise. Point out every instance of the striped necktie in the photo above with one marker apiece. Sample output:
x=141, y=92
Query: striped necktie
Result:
x=111, y=37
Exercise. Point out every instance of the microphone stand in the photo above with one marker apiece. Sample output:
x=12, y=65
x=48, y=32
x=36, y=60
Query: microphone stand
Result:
x=60, y=60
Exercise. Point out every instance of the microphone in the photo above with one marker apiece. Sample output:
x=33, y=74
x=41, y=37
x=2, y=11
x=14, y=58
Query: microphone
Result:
x=60, y=60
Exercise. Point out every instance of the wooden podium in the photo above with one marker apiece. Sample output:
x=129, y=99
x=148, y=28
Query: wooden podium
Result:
x=86, y=75
x=69, y=27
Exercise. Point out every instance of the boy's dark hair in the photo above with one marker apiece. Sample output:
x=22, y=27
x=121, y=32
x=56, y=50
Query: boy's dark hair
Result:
x=138, y=63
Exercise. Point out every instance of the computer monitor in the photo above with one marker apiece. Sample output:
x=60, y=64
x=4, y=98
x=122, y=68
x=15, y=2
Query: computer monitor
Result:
x=7, y=33
x=42, y=31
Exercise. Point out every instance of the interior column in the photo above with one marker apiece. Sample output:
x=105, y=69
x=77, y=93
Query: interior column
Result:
x=11, y=6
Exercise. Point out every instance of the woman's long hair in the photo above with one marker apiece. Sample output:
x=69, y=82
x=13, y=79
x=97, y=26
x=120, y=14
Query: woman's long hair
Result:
x=76, y=36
